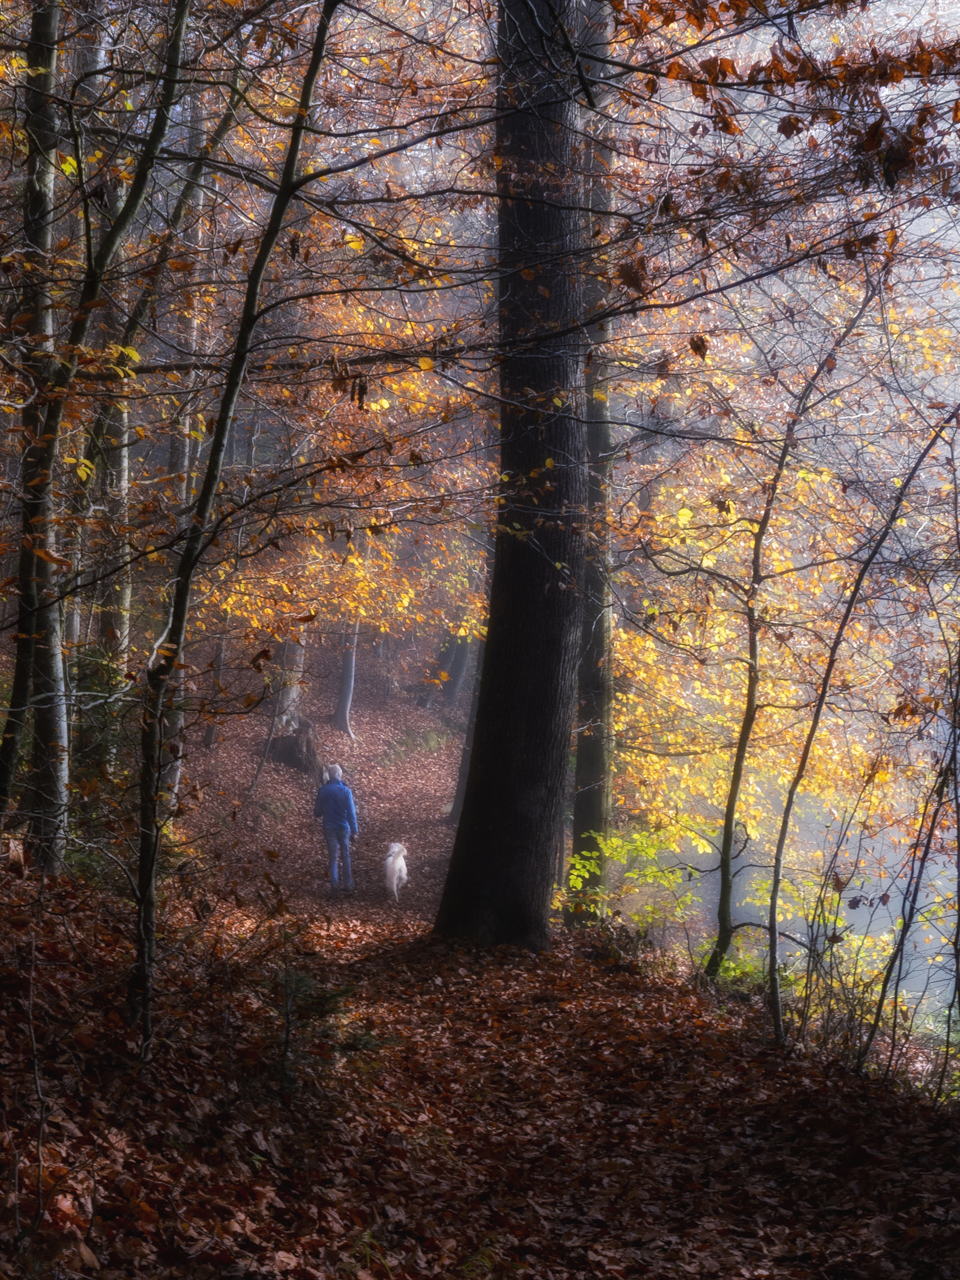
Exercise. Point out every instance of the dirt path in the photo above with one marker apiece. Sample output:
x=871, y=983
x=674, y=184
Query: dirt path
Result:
x=402, y=768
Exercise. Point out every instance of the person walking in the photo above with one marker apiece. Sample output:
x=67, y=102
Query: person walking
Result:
x=335, y=808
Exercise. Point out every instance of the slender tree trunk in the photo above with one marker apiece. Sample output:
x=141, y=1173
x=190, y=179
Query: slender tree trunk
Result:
x=50, y=775
x=116, y=598
x=181, y=441
x=172, y=767
x=501, y=873
x=464, y=771
x=593, y=782
x=442, y=666
x=725, y=925
x=210, y=733
x=45, y=415
x=51, y=757
x=341, y=717
x=293, y=657
x=40, y=124
x=159, y=676
x=725, y=928
x=773, y=926
x=459, y=662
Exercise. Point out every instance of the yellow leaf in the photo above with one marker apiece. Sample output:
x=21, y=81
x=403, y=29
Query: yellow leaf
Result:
x=426, y=362
x=549, y=462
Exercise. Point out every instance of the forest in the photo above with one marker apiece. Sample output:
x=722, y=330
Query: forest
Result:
x=547, y=411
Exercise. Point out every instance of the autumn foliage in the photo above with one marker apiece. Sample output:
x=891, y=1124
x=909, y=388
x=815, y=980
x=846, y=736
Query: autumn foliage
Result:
x=576, y=382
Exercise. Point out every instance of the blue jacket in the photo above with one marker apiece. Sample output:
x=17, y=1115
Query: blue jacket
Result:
x=335, y=806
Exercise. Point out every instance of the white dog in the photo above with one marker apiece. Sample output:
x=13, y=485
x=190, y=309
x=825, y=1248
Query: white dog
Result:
x=395, y=869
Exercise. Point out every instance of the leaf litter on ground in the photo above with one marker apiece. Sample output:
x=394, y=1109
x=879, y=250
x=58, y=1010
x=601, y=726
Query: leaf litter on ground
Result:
x=331, y=1093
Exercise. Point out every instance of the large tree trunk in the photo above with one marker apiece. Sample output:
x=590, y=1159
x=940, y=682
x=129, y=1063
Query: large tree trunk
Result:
x=501, y=873
x=289, y=684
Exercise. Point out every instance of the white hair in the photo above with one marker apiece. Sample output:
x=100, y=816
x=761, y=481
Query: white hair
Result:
x=336, y=773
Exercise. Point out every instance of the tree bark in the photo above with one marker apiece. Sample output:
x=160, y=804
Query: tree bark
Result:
x=40, y=125
x=341, y=717
x=289, y=688
x=163, y=668
x=500, y=879
x=457, y=810
x=51, y=757
x=173, y=716
x=53, y=378
x=593, y=789
x=116, y=598
x=593, y=781
x=210, y=733
x=442, y=665
x=457, y=672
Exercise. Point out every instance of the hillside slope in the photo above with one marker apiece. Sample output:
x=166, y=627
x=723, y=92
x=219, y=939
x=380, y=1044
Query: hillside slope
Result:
x=332, y=1095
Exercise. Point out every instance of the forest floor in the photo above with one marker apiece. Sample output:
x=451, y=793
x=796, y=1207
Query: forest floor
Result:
x=332, y=1094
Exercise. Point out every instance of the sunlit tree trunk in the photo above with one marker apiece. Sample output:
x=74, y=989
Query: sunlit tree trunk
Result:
x=727, y=851
x=593, y=788
x=501, y=873
x=289, y=690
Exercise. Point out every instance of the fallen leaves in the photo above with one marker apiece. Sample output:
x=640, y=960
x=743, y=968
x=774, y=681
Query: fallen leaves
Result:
x=447, y=1112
